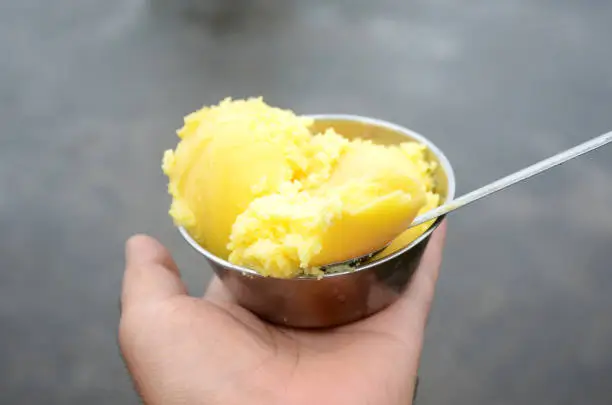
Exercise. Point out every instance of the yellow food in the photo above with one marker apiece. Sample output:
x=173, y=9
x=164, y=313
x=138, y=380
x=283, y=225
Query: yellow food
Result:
x=253, y=185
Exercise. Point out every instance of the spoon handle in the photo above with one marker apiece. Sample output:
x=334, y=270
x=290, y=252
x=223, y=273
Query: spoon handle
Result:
x=514, y=178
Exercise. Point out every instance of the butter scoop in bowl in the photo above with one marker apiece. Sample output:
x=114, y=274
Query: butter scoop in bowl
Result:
x=270, y=198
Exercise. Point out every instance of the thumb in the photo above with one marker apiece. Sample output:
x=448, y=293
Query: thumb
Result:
x=150, y=273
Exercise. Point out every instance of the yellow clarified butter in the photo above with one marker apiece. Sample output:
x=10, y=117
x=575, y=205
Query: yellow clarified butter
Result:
x=253, y=185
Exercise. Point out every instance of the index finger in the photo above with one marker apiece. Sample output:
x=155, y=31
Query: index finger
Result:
x=420, y=292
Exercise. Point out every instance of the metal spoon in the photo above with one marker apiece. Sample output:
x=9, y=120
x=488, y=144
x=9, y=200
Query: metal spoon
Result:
x=495, y=186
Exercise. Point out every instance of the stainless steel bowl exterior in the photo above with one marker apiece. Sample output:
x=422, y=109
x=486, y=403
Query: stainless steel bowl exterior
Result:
x=344, y=297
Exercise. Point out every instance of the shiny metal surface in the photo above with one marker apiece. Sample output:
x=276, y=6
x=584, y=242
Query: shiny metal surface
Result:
x=497, y=185
x=340, y=297
x=515, y=178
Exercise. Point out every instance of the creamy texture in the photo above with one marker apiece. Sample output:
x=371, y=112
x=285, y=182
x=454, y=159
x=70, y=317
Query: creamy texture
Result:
x=253, y=185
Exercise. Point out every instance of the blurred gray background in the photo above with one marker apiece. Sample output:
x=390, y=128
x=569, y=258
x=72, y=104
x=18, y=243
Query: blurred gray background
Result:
x=91, y=93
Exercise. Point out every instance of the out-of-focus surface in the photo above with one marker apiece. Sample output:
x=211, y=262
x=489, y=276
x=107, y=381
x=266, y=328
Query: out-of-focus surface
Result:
x=91, y=92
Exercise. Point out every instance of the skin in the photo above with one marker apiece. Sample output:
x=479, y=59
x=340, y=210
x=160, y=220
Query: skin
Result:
x=189, y=350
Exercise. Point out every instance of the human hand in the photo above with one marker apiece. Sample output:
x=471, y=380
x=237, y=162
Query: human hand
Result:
x=186, y=350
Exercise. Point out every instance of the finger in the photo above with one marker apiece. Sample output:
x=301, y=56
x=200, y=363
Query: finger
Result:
x=150, y=272
x=408, y=316
x=217, y=292
x=420, y=292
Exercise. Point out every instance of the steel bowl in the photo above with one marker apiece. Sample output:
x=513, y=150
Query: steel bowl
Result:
x=342, y=297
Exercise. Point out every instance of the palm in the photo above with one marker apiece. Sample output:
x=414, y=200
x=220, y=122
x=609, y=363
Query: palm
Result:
x=219, y=347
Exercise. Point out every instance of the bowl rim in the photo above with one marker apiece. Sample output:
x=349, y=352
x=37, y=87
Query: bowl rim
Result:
x=442, y=159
